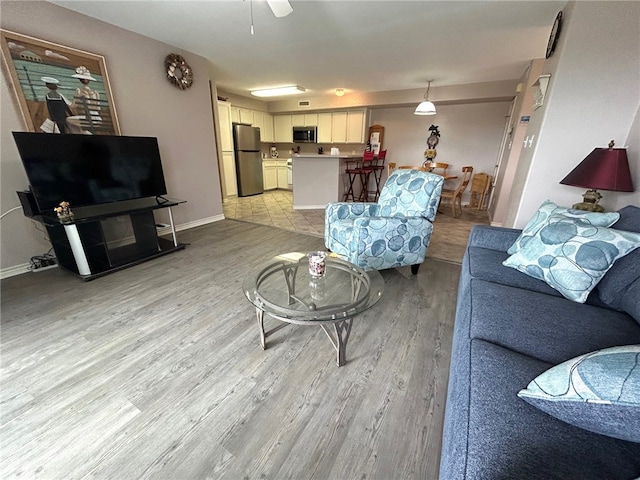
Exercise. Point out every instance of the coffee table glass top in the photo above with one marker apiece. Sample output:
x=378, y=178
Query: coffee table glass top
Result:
x=284, y=289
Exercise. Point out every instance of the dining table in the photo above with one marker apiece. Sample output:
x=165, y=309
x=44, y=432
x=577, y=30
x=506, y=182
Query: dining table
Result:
x=426, y=169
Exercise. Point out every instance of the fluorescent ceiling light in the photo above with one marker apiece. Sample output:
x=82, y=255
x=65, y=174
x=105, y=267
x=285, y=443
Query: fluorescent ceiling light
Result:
x=274, y=92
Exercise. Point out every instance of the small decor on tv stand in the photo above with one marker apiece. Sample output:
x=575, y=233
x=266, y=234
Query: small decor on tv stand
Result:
x=65, y=215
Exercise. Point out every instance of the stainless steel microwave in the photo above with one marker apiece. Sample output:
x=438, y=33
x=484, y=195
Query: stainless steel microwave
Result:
x=305, y=134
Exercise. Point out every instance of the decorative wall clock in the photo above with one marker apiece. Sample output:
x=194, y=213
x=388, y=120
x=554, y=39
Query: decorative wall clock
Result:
x=179, y=73
x=555, y=34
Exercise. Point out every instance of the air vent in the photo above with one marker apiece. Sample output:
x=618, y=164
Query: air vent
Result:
x=304, y=103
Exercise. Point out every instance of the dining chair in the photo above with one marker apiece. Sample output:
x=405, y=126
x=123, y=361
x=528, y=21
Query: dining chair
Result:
x=479, y=190
x=391, y=166
x=437, y=167
x=455, y=195
x=415, y=167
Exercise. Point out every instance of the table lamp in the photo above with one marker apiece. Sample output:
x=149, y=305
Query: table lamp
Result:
x=602, y=169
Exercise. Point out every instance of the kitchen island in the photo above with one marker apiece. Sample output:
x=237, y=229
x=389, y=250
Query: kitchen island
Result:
x=318, y=179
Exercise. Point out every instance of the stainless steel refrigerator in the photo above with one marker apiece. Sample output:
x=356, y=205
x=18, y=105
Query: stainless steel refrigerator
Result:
x=246, y=143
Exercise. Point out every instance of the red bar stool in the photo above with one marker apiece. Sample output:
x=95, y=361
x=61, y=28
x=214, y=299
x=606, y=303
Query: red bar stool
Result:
x=368, y=163
x=378, y=168
x=352, y=169
x=358, y=168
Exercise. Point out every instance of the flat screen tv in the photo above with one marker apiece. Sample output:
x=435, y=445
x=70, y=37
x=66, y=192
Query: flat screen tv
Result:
x=90, y=169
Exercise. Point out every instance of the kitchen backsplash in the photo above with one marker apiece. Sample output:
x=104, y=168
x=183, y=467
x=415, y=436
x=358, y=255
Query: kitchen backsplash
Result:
x=285, y=150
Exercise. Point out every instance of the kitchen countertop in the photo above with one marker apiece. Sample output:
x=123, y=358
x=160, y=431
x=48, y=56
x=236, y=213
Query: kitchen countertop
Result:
x=323, y=155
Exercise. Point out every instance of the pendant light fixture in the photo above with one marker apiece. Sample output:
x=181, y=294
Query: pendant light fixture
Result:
x=426, y=107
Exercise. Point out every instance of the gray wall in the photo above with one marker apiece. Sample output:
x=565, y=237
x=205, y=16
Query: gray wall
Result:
x=470, y=135
x=593, y=97
x=146, y=104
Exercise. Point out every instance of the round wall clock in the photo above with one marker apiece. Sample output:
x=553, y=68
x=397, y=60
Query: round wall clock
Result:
x=179, y=73
x=555, y=34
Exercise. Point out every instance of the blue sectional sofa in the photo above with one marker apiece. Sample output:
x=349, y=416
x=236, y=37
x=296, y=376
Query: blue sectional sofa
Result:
x=510, y=328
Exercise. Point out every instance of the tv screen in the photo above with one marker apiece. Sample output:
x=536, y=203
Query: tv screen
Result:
x=89, y=170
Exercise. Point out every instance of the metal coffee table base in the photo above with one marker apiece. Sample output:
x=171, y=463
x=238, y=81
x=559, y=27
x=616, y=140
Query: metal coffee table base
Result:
x=339, y=338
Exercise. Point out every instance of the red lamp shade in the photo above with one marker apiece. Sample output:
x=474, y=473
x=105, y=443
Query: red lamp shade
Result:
x=602, y=169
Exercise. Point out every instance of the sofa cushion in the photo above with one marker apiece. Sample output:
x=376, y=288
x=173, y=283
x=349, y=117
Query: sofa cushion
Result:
x=545, y=327
x=620, y=287
x=548, y=208
x=507, y=438
x=486, y=264
x=572, y=257
x=599, y=391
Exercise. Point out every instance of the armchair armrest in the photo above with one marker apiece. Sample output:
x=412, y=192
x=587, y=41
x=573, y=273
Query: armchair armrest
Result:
x=350, y=210
x=493, y=238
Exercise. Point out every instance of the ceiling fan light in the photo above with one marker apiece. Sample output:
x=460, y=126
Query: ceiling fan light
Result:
x=280, y=8
x=425, y=108
x=276, y=92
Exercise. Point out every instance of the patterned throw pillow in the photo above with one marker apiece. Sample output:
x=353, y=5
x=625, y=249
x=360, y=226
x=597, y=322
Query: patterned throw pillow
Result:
x=599, y=391
x=548, y=208
x=570, y=256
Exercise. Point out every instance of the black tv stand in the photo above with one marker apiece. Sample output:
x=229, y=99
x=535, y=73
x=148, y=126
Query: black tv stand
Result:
x=87, y=247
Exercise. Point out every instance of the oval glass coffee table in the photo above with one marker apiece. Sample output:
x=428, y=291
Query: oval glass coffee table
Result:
x=284, y=289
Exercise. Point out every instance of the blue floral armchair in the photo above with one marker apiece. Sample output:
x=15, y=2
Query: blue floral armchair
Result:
x=391, y=233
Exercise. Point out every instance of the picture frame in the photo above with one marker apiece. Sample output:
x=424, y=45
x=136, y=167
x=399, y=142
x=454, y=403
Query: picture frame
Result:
x=376, y=138
x=58, y=89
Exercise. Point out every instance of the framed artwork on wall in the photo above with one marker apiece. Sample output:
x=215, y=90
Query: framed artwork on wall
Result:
x=58, y=89
x=376, y=137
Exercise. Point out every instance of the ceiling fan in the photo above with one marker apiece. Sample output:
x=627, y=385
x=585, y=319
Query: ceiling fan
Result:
x=280, y=8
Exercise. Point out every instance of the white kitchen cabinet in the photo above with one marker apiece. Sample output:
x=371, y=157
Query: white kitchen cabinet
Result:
x=228, y=166
x=224, y=122
x=258, y=122
x=324, y=127
x=235, y=114
x=282, y=129
x=229, y=174
x=304, y=120
x=333, y=127
x=310, y=120
x=283, y=180
x=269, y=174
x=246, y=116
x=355, y=126
x=267, y=134
x=298, y=120
x=339, y=127
x=264, y=121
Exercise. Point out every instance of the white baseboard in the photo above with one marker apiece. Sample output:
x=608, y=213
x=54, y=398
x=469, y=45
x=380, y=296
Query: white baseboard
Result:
x=188, y=225
x=24, y=268
x=311, y=207
x=15, y=270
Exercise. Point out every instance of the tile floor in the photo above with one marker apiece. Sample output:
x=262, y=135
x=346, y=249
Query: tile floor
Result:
x=275, y=207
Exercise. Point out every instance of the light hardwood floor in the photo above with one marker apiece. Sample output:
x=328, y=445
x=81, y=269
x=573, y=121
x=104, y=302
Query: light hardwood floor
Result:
x=157, y=372
x=275, y=207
